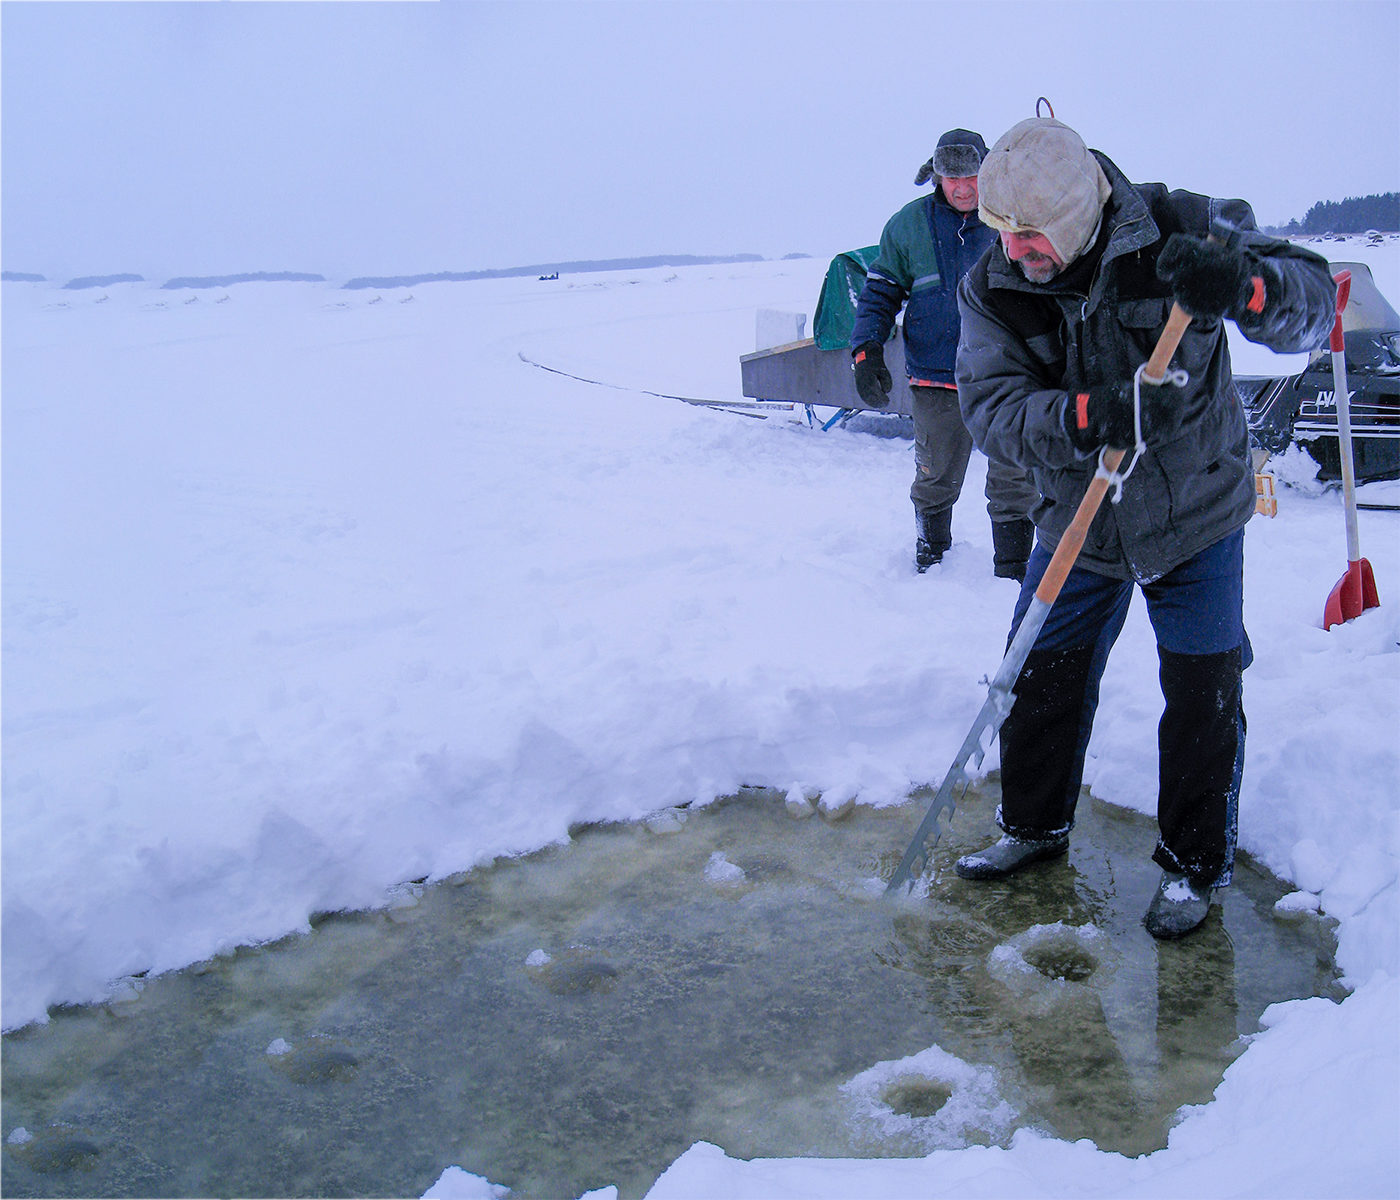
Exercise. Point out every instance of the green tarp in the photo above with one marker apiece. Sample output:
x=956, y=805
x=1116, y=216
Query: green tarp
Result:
x=836, y=306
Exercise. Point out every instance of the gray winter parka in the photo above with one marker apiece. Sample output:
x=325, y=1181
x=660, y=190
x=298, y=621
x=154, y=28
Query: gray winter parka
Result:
x=1025, y=347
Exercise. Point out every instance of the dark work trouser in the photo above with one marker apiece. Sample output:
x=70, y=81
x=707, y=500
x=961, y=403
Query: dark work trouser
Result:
x=1197, y=615
x=942, y=448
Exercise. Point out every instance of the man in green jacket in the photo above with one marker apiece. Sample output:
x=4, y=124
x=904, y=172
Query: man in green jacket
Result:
x=925, y=249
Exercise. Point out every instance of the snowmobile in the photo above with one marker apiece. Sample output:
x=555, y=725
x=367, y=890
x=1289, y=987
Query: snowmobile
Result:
x=1303, y=408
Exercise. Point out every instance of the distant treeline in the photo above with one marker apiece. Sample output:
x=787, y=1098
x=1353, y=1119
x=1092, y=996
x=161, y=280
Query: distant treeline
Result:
x=543, y=270
x=220, y=281
x=551, y=270
x=96, y=281
x=1355, y=214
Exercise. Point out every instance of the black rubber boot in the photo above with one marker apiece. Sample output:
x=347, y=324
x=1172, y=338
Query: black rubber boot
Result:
x=1011, y=547
x=1178, y=907
x=935, y=536
x=1008, y=855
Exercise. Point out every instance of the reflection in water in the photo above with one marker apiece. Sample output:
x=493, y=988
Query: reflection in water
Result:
x=581, y=1017
x=1197, y=1012
x=1110, y=1030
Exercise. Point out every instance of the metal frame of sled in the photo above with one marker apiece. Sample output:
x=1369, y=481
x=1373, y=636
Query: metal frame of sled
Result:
x=801, y=373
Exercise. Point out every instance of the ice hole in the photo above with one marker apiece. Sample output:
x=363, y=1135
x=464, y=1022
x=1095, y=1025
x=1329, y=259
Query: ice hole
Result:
x=932, y=1100
x=915, y=1097
x=1048, y=965
x=316, y=1061
x=575, y=971
x=57, y=1151
x=1070, y=963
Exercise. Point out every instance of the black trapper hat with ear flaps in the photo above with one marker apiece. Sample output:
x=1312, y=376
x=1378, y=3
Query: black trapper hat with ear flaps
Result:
x=959, y=154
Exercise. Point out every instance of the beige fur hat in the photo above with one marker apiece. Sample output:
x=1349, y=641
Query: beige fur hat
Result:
x=1040, y=175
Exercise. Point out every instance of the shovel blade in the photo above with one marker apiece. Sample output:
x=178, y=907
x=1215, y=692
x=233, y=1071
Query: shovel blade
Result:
x=1354, y=594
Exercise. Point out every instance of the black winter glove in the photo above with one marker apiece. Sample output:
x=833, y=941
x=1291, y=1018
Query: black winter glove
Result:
x=873, y=380
x=1210, y=279
x=1103, y=416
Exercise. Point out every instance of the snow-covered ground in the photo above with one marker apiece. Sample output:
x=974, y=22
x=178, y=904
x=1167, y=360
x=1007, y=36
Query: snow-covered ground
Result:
x=308, y=593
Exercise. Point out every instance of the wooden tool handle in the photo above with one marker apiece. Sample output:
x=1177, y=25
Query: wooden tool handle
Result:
x=1156, y=369
x=1072, y=540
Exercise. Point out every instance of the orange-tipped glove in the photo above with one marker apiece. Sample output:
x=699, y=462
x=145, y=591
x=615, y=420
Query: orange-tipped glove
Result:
x=873, y=380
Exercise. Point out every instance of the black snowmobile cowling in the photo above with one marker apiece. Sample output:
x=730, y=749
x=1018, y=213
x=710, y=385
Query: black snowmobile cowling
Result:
x=1303, y=408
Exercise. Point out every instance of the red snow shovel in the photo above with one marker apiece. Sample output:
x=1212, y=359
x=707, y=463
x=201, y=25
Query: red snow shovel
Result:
x=1356, y=590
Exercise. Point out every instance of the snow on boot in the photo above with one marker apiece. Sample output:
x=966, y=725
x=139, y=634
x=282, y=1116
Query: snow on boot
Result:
x=1177, y=908
x=1008, y=855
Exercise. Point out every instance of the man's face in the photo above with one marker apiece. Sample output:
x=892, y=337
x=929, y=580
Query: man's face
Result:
x=961, y=193
x=1032, y=252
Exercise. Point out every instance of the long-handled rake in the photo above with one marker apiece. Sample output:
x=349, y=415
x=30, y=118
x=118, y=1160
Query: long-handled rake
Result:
x=1000, y=697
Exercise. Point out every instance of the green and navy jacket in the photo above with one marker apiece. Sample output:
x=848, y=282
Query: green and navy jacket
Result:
x=927, y=246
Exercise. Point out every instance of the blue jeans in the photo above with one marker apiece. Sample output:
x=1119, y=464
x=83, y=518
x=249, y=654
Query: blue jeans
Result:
x=1197, y=614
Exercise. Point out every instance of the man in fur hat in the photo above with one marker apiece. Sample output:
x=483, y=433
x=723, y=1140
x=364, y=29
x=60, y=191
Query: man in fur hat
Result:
x=926, y=248
x=1055, y=323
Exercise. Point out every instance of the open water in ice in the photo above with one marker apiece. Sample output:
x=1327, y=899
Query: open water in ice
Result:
x=581, y=1016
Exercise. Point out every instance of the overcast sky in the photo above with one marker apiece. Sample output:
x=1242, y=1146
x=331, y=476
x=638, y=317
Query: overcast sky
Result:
x=349, y=138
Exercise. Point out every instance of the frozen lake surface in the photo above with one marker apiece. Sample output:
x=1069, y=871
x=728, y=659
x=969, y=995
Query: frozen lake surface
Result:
x=434, y=607
x=580, y=1017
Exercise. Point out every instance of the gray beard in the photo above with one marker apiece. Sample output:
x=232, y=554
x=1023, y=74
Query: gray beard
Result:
x=1042, y=271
